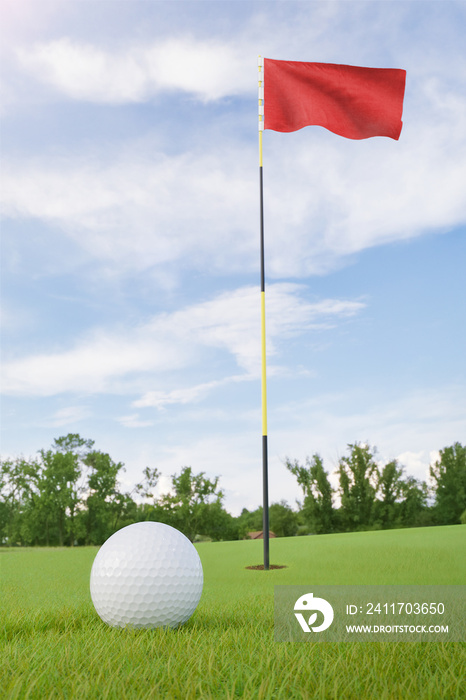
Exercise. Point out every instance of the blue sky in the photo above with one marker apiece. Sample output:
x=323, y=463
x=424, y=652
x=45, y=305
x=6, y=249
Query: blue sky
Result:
x=130, y=239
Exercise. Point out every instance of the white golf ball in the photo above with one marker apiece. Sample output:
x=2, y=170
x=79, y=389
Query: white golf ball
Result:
x=146, y=575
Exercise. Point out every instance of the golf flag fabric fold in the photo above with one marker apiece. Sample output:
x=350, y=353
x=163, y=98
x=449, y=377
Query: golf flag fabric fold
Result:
x=350, y=101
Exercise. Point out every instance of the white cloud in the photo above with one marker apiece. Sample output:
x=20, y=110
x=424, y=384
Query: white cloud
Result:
x=140, y=211
x=134, y=421
x=325, y=198
x=334, y=198
x=211, y=62
x=410, y=427
x=68, y=416
x=185, y=395
x=169, y=342
x=91, y=365
x=414, y=462
x=209, y=70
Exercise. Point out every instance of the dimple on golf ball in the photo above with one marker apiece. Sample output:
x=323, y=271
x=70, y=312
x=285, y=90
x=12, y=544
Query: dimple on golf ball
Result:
x=146, y=575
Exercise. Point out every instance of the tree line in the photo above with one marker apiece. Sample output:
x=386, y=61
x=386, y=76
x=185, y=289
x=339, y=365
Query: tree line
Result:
x=70, y=495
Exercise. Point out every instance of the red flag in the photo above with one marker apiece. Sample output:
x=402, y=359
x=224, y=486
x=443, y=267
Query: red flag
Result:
x=354, y=102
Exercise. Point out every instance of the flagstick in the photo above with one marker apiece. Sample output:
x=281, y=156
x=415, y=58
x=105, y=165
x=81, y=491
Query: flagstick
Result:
x=265, y=477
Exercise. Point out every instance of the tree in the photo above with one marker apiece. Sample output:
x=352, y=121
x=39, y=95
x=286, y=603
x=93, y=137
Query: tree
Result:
x=390, y=486
x=103, y=502
x=187, y=507
x=61, y=493
x=414, y=511
x=283, y=520
x=358, y=482
x=219, y=524
x=124, y=510
x=449, y=475
x=18, y=487
x=146, y=487
x=5, y=507
x=317, y=511
x=250, y=521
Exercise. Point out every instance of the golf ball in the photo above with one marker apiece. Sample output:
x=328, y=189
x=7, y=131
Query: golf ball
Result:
x=146, y=575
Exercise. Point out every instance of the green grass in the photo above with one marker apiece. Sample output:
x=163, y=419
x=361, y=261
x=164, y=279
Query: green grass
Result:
x=55, y=646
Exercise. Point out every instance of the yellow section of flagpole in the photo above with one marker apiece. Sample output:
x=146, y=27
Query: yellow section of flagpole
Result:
x=264, y=372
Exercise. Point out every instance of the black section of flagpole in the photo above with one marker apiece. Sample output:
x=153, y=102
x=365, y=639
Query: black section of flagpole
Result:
x=265, y=468
x=265, y=486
